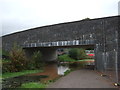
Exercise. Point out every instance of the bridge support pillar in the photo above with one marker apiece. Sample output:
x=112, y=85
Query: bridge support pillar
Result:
x=49, y=54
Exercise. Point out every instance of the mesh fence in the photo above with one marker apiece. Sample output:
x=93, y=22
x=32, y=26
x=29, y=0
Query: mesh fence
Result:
x=107, y=56
x=107, y=64
x=111, y=65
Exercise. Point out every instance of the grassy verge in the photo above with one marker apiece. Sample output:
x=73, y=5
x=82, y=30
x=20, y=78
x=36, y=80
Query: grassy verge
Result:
x=33, y=85
x=14, y=74
x=65, y=58
x=86, y=60
x=67, y=72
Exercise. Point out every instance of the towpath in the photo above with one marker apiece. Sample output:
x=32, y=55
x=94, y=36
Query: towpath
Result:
x=82, y=79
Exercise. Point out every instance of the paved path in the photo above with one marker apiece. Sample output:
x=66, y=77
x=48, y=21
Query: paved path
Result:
x=82, y=79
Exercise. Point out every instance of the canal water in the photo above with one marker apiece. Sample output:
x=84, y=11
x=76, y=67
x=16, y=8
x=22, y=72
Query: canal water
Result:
x=51, y=72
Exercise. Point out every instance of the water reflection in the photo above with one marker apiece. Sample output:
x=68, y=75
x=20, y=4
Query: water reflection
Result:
x=62, y=69
x=52, y=70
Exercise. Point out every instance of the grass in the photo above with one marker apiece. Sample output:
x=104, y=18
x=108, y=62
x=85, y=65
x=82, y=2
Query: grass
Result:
x=14, y=74
x=33, y=85
x=65, y=58
x=67, y=72
x=86, y=60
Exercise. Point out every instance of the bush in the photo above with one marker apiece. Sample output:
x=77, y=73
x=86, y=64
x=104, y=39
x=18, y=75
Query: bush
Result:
x=18, y=58
x=36, y=61
x=4, y=54
x=7, y=67
x=65, y=58
x=82, y=54
x=33, y=85
x=67, y=72
x=77, y=53
x=74, y=53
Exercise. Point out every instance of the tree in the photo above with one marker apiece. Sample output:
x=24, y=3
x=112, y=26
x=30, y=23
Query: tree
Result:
x=82, y=53
x=18, y=58
x=74, y=53
x=37, y=59
x=77, y=53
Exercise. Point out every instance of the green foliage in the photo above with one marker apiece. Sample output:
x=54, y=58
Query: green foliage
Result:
x=18, y=58
x=18, y=61
x=82, y=54
x=65, y=58
x=6, y=61
x=24, y=72
x=86, y=60
x=74, y=53
x=7, y=66
x=33, y=85
x=36, y=61
x=37, y=57
x=3, y=52
x=67, y=72
x=86, y=18
x=77, y=53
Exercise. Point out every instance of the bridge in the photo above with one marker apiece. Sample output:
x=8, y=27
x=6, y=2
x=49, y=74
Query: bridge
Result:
x=103, y=34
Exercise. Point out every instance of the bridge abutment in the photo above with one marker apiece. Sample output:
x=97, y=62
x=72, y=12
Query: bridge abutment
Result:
x=48, y=54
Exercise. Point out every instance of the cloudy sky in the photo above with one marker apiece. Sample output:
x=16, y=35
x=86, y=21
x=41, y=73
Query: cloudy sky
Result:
x=18, y=15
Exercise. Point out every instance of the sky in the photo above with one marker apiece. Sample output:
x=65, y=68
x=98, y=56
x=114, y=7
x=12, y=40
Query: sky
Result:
x=19, y=15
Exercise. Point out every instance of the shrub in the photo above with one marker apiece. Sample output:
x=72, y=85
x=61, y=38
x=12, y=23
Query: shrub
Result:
x=82, y=54
x=65, y=58
x=37, y=61
x=74, y=53
x=4, y=54
x=7, y=67
x=18, y=58
x=33, y=85
x=67, y=72
x=77, y=53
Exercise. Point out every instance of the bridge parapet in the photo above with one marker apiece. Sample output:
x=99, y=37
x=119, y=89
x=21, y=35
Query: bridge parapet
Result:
x=60, y=43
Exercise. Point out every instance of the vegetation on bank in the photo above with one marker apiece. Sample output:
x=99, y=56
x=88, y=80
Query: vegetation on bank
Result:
x=77, y=53
x=74, y=54
x=36, y=62
x=18, y=64
x=33, y=85
x=18, y=61
x=67, y=72
x=24, y=72
x=65, y=58
x=76, y=58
